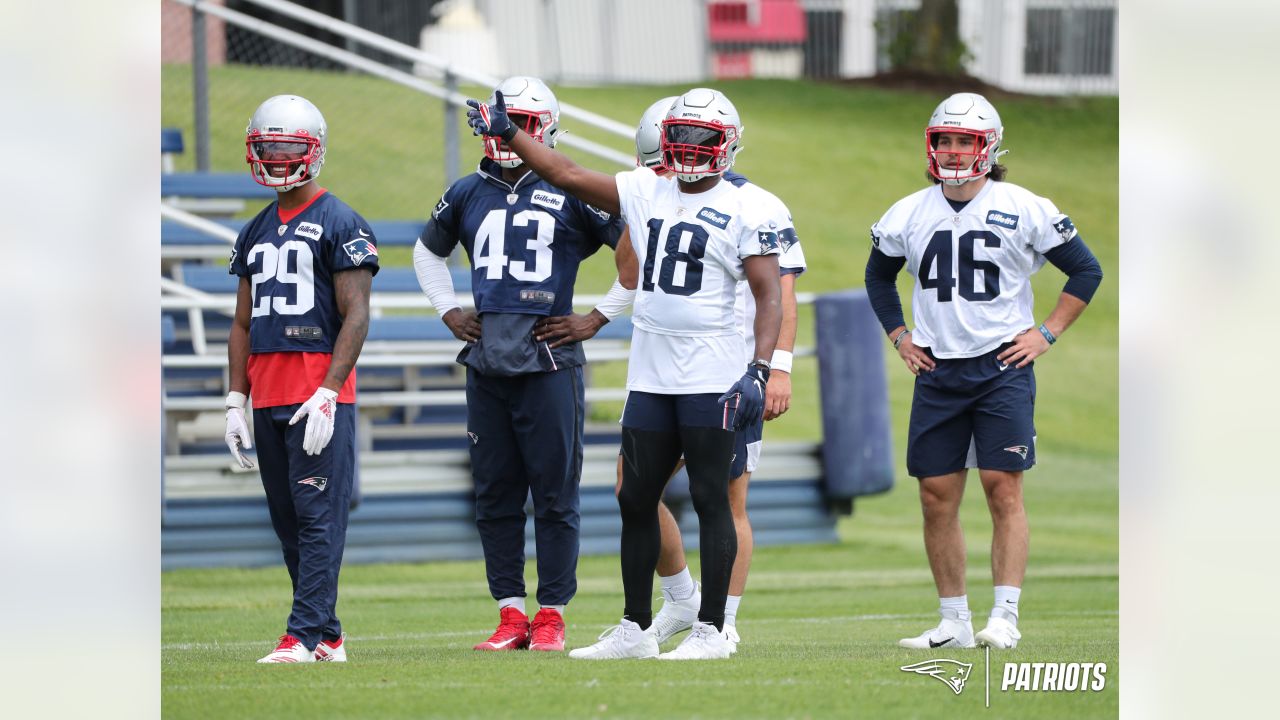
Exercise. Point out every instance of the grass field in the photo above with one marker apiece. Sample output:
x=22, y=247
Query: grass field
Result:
x=818, y=623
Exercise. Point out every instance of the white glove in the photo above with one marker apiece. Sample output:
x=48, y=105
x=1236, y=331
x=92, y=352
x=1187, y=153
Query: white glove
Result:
x=238, y=430
x=319, y=412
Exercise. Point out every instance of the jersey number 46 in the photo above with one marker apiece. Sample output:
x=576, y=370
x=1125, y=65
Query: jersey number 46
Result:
x=938, y=261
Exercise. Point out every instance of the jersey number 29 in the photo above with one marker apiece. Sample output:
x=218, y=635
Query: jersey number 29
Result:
x=937, y=262
x=275, y=264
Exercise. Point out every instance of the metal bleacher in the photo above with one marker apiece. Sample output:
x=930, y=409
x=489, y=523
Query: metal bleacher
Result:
x=413, y=469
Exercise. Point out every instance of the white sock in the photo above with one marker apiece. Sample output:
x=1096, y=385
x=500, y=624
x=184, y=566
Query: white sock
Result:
x=731, y=609
x=679, y=586
x=1006, y=606
x=515, y=602
x=557, y=608
x=958, y=605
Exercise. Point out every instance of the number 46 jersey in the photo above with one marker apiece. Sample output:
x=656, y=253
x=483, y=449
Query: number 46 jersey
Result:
x=973, y=268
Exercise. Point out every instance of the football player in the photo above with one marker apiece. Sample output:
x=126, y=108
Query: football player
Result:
x=696, y=240
x=972, y=241
x=681, y=598
x=525, y=238
x=306, y=263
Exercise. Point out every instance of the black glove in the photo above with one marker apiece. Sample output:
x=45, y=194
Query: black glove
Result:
x=749, y=393
x=491, y=120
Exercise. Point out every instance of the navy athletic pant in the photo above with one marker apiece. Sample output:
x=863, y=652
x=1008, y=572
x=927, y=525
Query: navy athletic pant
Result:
x=309, y=498
x=526, y=438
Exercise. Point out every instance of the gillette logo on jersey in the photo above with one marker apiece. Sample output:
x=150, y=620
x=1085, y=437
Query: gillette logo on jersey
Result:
x=995, y=217
x=294, y=318
x=719, y=220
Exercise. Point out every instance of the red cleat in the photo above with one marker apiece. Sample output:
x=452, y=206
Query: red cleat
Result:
x=512, y=632
x=548, y=631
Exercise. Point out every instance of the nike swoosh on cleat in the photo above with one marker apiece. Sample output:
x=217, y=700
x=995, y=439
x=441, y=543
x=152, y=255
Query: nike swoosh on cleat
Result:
x=502, y=644
x=933, y=644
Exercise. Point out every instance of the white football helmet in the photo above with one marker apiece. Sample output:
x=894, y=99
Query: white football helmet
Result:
x=969, y=114
x=285, y=142
x=701, y=135
x=649, y=134
x=533, y=108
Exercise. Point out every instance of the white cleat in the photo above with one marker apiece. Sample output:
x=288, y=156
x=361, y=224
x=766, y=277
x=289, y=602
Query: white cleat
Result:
x=290, y=650
x=952, y=632
x=675, y=617
x=731, y=636
x=703, y=643
x=999, y=634
x=624, y=640
x=332, y=651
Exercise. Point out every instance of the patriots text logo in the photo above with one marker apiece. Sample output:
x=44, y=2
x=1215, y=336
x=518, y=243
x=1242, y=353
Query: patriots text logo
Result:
x=951, y=672
x=359, y=249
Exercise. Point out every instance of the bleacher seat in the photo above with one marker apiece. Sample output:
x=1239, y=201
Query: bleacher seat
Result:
x=171, y=141
x=168, y=333
x=175, y=233
x=214, y=185
x=216, y=280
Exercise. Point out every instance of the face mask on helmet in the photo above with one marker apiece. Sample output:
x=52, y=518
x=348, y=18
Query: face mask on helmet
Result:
x=959, y=155
x=693, y=149
x=285, y=143
x=534, y=124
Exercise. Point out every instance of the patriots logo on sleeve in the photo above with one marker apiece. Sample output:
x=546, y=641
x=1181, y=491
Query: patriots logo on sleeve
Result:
x=768, y=241
x=1065, y=228
x=875, y=239
x=232, y=262
x=598, y=212
x=787, y=238
x=440, y=206
x=360, y=248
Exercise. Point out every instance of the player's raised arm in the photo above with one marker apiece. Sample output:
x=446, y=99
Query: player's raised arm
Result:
x=590, y=186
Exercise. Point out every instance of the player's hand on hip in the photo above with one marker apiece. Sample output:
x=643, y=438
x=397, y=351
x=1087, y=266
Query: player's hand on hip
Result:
x=464, y=324
x=777, y=395
x=238, y=439
x=564, y=329
x=915, y=357
x=491, y=120
x=319, y=412
x=749, y=393
x=1027, y=346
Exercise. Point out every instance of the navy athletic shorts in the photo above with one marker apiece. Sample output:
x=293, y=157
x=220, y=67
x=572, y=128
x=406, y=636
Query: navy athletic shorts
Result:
x=978, y=400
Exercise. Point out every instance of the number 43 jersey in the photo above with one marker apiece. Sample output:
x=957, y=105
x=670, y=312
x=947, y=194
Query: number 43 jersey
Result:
x=973, y=268
x=687, y=338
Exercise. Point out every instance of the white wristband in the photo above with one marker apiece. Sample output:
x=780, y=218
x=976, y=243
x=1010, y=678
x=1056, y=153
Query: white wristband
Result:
x=615, y=301
x=235, y=400
x=782, y=360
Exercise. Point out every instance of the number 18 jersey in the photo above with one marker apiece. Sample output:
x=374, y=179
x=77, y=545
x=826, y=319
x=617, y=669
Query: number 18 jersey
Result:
x=973, y=267
x=687, y=338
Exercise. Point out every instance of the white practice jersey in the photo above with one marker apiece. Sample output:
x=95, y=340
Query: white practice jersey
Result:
x=791, y=260
x=973, y=268
x=687, y=338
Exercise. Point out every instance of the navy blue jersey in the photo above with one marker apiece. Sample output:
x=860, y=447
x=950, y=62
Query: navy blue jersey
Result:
x=291, y=266
x=525, y=241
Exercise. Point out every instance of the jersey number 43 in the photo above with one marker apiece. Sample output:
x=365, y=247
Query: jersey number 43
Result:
x=937, y=261
x=489, y=252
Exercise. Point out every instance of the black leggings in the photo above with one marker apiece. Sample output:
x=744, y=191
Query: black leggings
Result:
x=648, y=459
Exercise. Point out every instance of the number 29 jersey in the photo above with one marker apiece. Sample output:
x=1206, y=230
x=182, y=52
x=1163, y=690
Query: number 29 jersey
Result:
x=290, y=258
x=687, y=338
x=973, y=268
